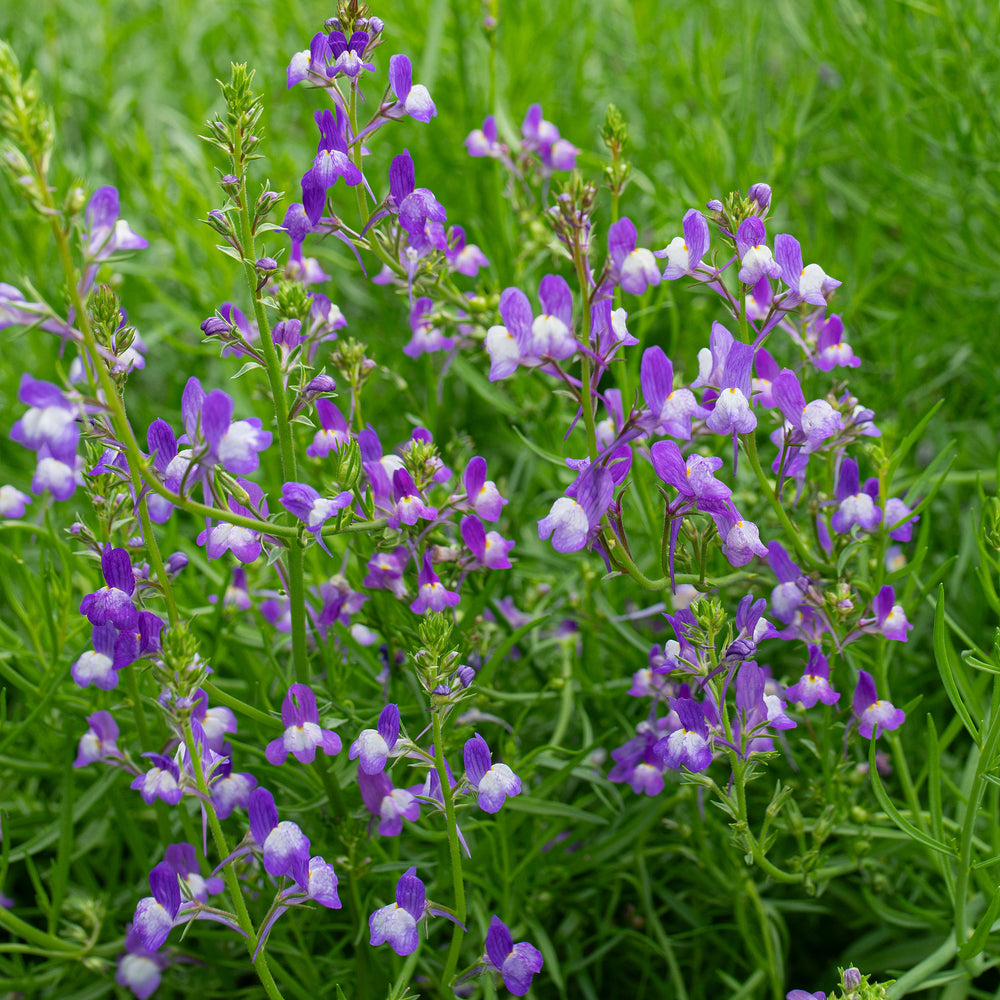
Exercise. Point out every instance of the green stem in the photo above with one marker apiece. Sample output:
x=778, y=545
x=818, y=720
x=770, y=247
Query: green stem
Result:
x=627, y=565
x=566, y=702
x=455, y=853
x=791, y=532
x=286, y=446
x=587, y=401
x=228, y=873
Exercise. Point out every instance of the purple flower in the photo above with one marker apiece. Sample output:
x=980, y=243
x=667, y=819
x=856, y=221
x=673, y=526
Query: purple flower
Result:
x=409, y=505
x=814, y=684
x=756, y=259
x=113, y=602
x=816, y=421
x=635, y=269
x=373, y=747
x=99, y=742
x=385, y=570
x=481, y=494
x=235, y=445
x=788, y=596
x=397, y=922
x=432, y=595
x=873, y=714
x=13, y=501
x=689, y=745
x=182, y=860
x=890, y=619
x=154, y=915
x=740, y=538
x=856, y=506
x=494, y=782
x=808, y=284
x=803, y=995
x=300, y=717
x=417, y=208
x=230, y=790
x=390, y=805
x=331, y=163
x=831, y=350
x=411, y=99
x=161, y=781
x=542, y=137
x=313, y=510
x=215, y=722
x=427, y=337
x=318, y=880
x=309, y=63
x=489, y=548
x=283, y=844
x=732, y=411
x=693, y=477
x=525, y=338
x=684, y=253
x=138, y=968
x=334, y=432
x=758, y=711
x=112, y=651
x=516, y=963
x=572, y=519
x=106, y=234
x=348, y=55
x=895, y=511
x=670, y=409
x=50, y=422
x=483, y=141
x=464, y=258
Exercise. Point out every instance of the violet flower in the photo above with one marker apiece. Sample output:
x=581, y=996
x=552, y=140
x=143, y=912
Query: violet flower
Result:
x=756, y=259
x=334, y=431
x=542, y=137
x=571, y=520
x=112, y=651
x=155, y=915
x=411, y=99
x=634, y=268
x=495, y=783
x=409, y=505
x=808, y=284
x=689, y=745
x=300, y=717
x=99, y=742
x=417, y=208
x=890, y=619
x=51, y=420
x=372, y=748
x=243, y=542
x=13, y=502
x=113, y=602
x=872, y=713
x=388, y=804
x=489, y=548
x=105, y=232
x=313, y=510
x=516, y=963
x=670, y=409
x=831, y=350
x=432, y=595
x=814, y=684
x=161, y=781
x=427, y=337
x=732, y=411
x=481, y=494
x=484, y=141
x=397, y=922
x=332, y=162
x=283, y=844
x=693, y=477
x=815, y=421
x=684, y=253
x=464, y=258
x=230, y=790
x=138, y=968
x=181, y=858
x=856, y=506
x=348, y=54
x=385, y=570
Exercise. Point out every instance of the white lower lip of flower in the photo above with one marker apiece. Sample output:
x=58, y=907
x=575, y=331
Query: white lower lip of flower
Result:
x=92, y=664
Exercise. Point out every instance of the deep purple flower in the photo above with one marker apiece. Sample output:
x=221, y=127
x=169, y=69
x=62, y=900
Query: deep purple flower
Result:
x=516, y=963
x=283, y=844
x=243, y=542
x=890, y=619
x=397, y=922
x=409, y=505
x=489, y=548
x=182, y=860
x=385, y=570
x=872, y=713
x=99, y=742
x=215, y=722
x=331, y=163
x=432, y=595
x=814, y=684
x=300, y=717
x=856, y=506
x=542, y=137
x=113, y=602
x=481, y=494
x=758, y=711
x=309, y=63
x=106, y=233
x=348, y=55
x=693, y=477
x=411, y=99
x=688, y=746
x=390, y=805
x=138, y=968
x=670, y=409
x=572, y=519
x=634, y=268
x=234, y=444
x=155, y=915
x=373, y=747
x=112, y=651
x=417, y=208
x=494, y=782
x=684, y=253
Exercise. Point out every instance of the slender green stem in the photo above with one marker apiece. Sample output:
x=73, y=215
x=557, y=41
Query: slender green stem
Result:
x=587, y=395
x=566, y=702
x=286, y=446
x=455, y=853
x=627, y=565
x=228, y=874
x=356, y=154
x=791, y=532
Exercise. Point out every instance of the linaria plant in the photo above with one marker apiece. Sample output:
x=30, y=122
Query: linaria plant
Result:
x=492, y=702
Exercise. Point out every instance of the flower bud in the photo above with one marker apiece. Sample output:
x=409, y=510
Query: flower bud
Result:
x=851, y=979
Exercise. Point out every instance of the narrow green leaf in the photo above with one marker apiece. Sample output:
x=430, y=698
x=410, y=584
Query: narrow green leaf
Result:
x=910, y=440
x=944, y=654
x=975, y=944
x=549, y=807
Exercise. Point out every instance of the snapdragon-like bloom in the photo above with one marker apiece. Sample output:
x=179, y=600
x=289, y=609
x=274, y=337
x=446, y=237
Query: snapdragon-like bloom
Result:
x=13, y=502
x=138, y=968
x=409, y=505
x=155, y=915
x=732, y=413
x=670, y=409
x=300, y=717
x=890, y=619
x=465, y=258
x=872, y=713
x=283, y=844
x=831, y=350
x=312, y=509
x=693, y=477
x=385, y=570
x=542, y=137
x=230, y=790
x=333, y=432
x=113, y=650
x=689, y=745
x=161, y=781
x=331, y=163
x=815, y=421
x=516, y=963
x=50, y=422
x=684, y=253
x=99, y=742
x=481, y=494
x=572, y=519
x=397, y=922
x=388, y=804
x=814, y=684
x=373, y=747
x=634, y=268
x=489, y=548
x=105, y=232
x=113, y=602
x=856, y=506
x=432, y=595
x=243, y=542
x=348, y=54
x=182, y=860
x=421, y=215
x=411, y=99
x=756, y=259
x=236, y=445
x=740, y=537
x=788, y=595
x=494, y=782
x=808, y=284
x=427, y=337
x=484, y=141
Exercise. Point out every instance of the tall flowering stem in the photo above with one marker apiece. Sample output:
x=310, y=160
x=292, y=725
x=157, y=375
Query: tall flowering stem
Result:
x=455, y=853
x=228, y=873
x=275, y=378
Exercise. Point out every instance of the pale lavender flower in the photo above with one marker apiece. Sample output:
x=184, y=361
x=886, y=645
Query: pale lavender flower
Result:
x=397, y=922
x=373, y=747
x=303, y=734
x=411, y=99
x=814, y=684
x=432, y=595
x=516, y=963
x=756, y=259
x=13, y=501
x=872, y=713
x=634, y=268
x=684, y=253
x=495, y=783
x=388, y=804
x=283, y=844
x=99, y=742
